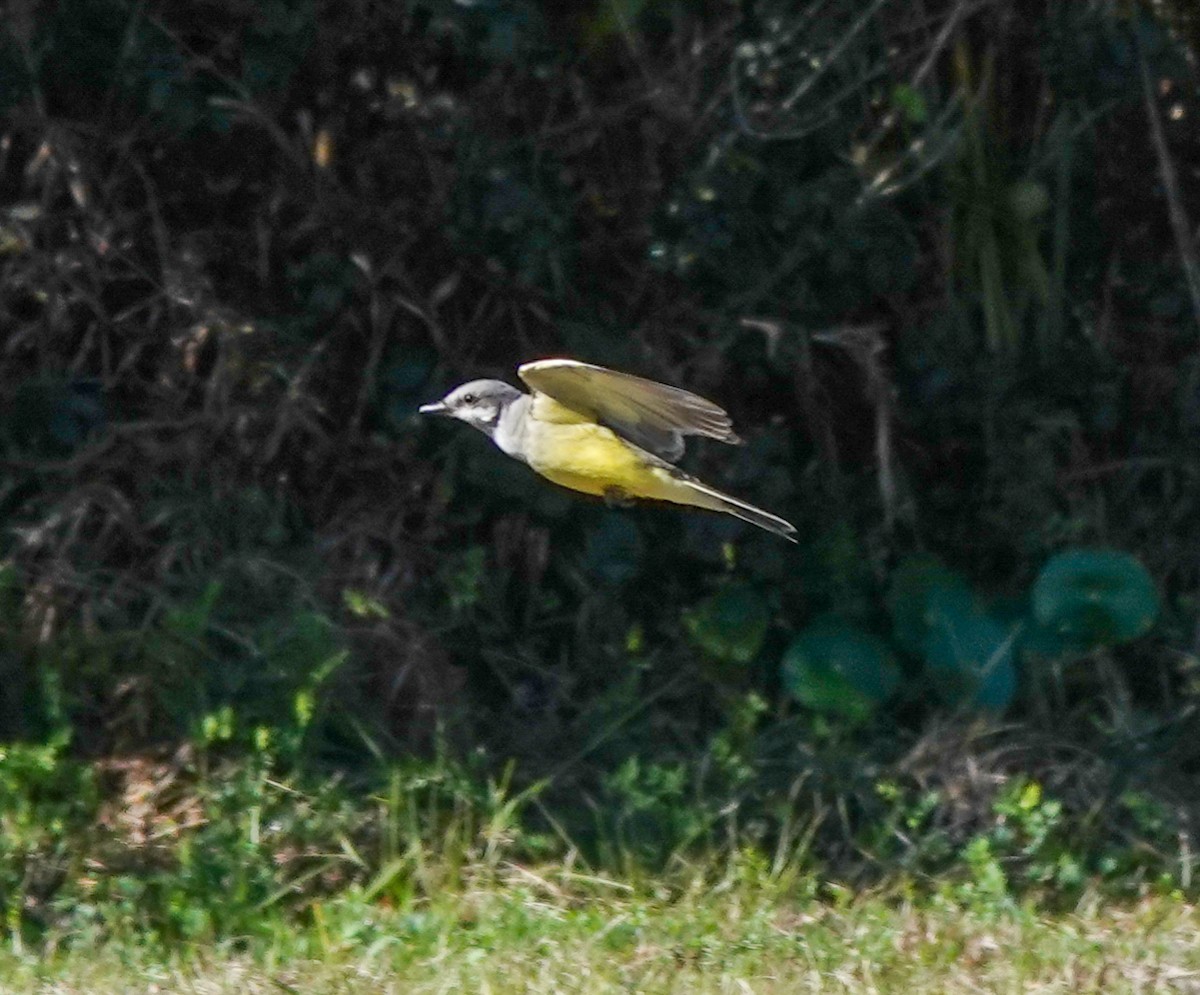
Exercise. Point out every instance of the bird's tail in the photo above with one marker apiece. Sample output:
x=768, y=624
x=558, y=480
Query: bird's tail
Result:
x=703, y=496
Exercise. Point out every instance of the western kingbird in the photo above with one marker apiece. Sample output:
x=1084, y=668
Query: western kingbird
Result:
x=601, y=432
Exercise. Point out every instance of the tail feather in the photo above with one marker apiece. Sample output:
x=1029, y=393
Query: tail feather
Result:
x=715, y=500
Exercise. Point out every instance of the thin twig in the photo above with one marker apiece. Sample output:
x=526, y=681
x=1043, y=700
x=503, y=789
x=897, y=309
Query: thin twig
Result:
x=834, y=55
x=1175, y=209
x=865, y=345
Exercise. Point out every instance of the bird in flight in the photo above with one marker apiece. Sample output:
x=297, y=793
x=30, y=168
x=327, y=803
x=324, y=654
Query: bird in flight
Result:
x=604, y=433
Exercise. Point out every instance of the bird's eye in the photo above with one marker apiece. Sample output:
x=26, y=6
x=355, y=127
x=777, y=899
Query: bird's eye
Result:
x=469, y=399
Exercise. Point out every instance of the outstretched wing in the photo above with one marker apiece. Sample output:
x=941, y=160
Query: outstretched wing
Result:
x=651, y=415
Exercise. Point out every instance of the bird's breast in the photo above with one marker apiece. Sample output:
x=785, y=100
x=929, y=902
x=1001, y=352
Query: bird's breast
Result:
x=586, y=457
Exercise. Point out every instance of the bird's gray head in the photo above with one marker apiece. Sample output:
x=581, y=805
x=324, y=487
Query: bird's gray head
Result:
x=479, y=403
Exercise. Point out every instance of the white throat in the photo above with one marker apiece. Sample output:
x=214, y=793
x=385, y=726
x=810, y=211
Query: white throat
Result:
x=509, y=433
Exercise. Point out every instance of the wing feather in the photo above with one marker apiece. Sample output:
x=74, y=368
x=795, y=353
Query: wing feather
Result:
x=652, y=415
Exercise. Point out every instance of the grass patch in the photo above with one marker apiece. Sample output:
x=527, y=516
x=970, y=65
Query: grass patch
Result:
x=550, y=929
x=446, y=875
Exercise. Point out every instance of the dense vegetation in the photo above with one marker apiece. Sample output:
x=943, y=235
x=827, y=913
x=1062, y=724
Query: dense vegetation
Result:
x=266, y=637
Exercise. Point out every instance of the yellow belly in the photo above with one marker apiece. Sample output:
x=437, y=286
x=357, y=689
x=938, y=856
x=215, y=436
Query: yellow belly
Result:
x=591, y=458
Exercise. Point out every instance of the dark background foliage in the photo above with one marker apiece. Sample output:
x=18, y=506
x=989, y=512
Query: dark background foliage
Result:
x=926, y=254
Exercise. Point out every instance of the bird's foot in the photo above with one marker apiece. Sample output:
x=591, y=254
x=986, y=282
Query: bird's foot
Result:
x=617, y=497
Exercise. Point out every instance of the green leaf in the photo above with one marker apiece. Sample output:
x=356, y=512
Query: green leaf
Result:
x=189, y=621
x=1095, y=597
x=968, y=653
x=362, y=605
x=911, y=102
x=913, y=583
x=730, y=626
x=837, y=668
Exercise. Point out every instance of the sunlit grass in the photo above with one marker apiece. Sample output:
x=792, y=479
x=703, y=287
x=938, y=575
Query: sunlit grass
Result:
x=442, y=881
x=551, y=930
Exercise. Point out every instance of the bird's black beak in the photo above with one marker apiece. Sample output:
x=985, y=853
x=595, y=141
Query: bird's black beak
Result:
x=436, y=408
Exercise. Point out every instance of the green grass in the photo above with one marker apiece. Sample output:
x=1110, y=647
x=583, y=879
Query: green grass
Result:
x=445, y=879
x=552, y=930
